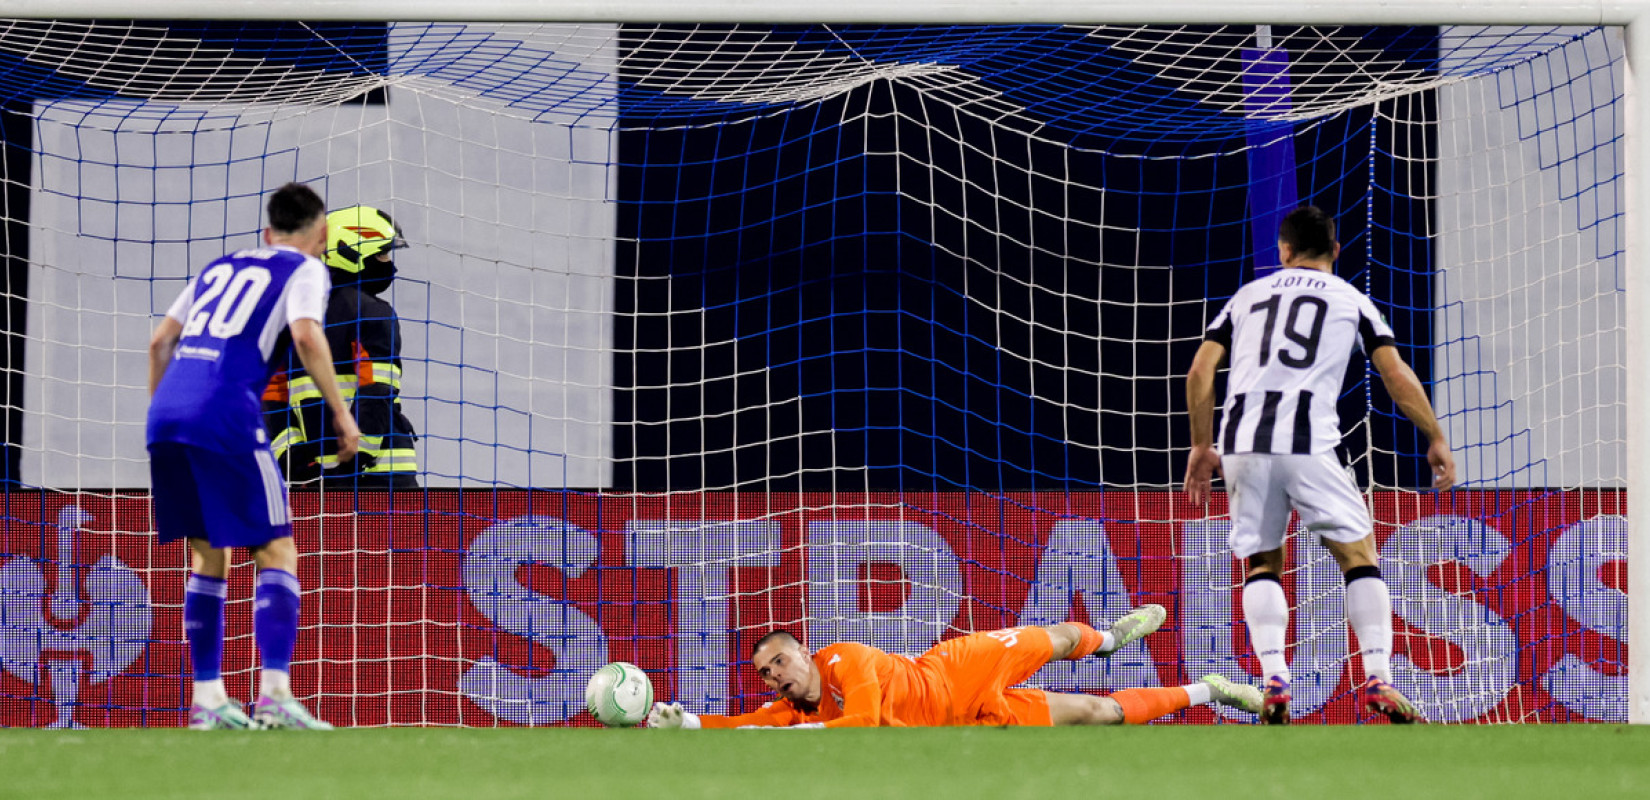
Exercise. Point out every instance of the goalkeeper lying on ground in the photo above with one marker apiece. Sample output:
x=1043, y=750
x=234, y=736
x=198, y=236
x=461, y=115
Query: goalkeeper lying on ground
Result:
x=969, y=680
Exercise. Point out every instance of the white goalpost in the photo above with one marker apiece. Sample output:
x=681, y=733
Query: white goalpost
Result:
x=726, y=316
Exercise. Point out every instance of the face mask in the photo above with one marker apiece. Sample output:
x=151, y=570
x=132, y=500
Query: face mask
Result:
x=376, y=276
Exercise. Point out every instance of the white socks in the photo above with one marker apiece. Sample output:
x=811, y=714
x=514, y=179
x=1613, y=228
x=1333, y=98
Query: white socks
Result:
x=1198, y=692
x=1266, y=612
x=211, y=694
x=1108, y=644
x=1369, y=609
x=272, y=683
x=275, y=684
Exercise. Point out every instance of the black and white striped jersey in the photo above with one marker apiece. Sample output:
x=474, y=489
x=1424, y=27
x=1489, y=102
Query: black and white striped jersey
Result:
x=1289, y=336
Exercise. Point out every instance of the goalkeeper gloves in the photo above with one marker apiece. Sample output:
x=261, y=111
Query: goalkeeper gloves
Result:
x=671, y=715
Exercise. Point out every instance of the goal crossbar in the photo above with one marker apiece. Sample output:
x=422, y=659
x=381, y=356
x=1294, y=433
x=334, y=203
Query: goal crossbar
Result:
x=1123, y=12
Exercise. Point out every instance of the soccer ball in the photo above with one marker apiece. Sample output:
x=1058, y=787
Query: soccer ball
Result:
x=619, y=695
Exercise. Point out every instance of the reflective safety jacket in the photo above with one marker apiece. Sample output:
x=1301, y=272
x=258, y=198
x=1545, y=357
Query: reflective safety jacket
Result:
x=365, y=337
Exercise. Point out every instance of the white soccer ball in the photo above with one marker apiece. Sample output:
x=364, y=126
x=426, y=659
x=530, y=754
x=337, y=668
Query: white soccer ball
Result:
x=619, y=695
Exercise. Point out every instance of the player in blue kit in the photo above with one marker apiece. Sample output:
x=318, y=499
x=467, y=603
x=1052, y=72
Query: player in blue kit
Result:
x=214, y=478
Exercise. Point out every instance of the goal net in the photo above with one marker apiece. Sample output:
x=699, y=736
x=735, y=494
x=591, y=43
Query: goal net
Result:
x=872, y=333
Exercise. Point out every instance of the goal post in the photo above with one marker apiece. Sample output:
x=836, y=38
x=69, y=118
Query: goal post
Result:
x=1638, y=345
x=716, y=540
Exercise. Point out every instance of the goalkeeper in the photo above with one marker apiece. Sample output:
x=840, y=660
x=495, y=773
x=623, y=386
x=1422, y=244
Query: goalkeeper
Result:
x=969, y=680
x=365, y=335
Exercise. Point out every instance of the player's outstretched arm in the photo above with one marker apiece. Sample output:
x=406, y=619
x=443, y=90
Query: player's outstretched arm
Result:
x=1204, y=462
x=1411, y=397
x=161, y=345
x=671, y=716
x=310, y=341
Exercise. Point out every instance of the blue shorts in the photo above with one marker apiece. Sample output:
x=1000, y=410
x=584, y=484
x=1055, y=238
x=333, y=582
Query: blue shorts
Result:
x=230, y=500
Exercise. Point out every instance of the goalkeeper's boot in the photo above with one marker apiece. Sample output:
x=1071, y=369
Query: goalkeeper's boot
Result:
x=289, y=713
x=227, y=717
x=1240, y=696
x=1382, y=698
x=1133, y=626
x=1275, y=702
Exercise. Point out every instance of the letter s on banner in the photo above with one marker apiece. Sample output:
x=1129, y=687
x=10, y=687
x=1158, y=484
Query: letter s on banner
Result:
x=1488, y=672
x=1573, y=565
x=580, y=647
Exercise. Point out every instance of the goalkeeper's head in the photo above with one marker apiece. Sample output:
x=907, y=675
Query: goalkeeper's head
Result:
x=786, y=667
x=360, y=243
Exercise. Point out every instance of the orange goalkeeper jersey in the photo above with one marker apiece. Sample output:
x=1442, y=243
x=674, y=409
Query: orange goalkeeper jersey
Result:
x=860, y=686
x=969, y=680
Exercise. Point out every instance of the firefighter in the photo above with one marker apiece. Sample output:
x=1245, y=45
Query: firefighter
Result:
x=365, y=336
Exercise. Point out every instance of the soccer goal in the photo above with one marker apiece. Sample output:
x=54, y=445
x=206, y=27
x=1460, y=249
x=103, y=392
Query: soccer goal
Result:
x=868, y=321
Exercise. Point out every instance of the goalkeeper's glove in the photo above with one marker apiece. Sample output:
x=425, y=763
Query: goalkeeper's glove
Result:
x=671, y=715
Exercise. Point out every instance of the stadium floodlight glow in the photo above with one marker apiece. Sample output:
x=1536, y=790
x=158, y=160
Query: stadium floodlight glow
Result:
x=659, y=539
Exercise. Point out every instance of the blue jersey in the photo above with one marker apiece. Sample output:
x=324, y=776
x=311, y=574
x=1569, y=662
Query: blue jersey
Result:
x=233, y=314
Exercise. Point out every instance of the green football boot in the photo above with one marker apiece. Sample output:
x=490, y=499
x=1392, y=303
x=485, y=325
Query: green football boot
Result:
x=227, y=717
x=1134, y=626
x=1240, y=696
x=271, y=714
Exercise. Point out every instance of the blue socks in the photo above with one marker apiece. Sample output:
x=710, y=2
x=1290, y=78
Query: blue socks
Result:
x=274, y=626
x=275, y=618
x=203, y=598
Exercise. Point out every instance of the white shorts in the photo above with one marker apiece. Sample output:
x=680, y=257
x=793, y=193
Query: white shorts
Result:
x=1264, y=487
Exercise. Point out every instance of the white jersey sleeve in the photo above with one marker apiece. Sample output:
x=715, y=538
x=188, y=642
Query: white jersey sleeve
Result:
x=180, y=306
x=307, y=292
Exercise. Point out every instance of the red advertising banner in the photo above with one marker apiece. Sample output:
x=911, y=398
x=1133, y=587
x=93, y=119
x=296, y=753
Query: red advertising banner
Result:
x=492, y=608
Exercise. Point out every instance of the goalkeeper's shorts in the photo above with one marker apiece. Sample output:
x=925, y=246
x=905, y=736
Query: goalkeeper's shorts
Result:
x=982, y=668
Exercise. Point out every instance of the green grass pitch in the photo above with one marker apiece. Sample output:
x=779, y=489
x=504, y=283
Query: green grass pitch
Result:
x=1553, y=762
